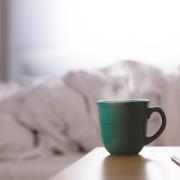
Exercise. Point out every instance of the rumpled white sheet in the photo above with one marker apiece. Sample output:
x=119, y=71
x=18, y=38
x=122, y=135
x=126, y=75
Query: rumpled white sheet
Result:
x=60, y=115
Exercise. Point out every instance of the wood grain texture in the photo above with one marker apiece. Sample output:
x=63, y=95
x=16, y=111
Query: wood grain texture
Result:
x=152, y=163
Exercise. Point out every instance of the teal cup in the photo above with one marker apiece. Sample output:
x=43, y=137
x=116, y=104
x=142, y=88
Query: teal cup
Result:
x=123, y=125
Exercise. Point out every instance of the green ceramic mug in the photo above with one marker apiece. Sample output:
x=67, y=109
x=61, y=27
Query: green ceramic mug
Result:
x=123, y=125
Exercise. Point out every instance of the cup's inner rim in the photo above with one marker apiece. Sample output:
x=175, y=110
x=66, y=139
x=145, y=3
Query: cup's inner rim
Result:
x=122, y=101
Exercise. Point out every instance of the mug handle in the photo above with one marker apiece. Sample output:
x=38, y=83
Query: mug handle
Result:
x=163, y=124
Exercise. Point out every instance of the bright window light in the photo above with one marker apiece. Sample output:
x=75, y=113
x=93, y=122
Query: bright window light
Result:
x=86, y=34
x=102, y=31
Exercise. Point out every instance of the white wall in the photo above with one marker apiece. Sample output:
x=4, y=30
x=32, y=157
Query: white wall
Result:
x=52, y=36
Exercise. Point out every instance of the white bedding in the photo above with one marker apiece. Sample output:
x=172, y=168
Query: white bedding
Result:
x=36, y=169
x=59, y=116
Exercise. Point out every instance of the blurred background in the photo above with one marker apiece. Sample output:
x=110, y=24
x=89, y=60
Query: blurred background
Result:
x=58, y=116
x=40, y=38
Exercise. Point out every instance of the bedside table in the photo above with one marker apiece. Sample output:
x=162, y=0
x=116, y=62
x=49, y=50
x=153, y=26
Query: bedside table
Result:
x=152, y=163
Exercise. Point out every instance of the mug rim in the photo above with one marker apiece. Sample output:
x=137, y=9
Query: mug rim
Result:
x=110, y=101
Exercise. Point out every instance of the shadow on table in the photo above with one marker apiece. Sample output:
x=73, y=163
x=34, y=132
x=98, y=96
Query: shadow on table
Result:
x=131, y=167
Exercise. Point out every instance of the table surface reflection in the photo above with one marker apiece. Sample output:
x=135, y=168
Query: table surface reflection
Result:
x=151, y=163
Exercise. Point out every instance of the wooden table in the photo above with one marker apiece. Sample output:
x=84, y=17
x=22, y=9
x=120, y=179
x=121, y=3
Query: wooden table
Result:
x=153, y=163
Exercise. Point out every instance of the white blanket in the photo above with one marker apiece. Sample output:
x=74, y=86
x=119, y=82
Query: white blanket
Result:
x=60, y=115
